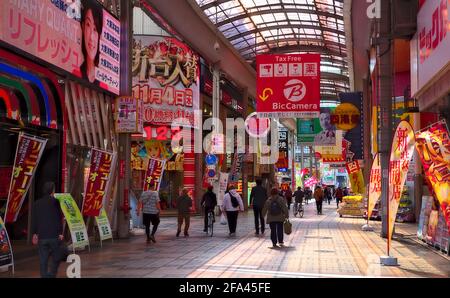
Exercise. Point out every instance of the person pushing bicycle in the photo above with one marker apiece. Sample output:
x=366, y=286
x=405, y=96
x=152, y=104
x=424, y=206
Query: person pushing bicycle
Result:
x=209, y=202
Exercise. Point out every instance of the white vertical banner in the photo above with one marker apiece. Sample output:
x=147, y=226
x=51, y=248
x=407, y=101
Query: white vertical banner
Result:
x=223, y=183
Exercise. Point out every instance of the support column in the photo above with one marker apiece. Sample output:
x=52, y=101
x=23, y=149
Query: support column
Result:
x=126, y=40
x=384, y=55
x=244, y=163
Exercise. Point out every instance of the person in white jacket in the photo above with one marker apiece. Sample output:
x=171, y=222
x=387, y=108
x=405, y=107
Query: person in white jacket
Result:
x=232, y=204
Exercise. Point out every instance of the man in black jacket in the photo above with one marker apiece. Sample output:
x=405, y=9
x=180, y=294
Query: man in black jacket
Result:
x=47, y=230
x=258, y=198
x=209, y=202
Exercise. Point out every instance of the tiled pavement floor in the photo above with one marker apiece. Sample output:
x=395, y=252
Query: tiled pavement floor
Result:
x=320, y=246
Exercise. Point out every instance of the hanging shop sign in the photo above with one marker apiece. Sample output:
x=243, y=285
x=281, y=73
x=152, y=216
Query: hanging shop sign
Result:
x=310, y=182
x=345, y=117
x=129, y=115
x=433, y=147
x=74, y=220
x=154, y=173
x=79, y=37
x=28, y=154
x=104, y=228
x=429, y=48
x=307, y=129
x=236, y=168
x=283, y=157
x=166, y=79
x=6, y=257
x=356, y=177
x=288, y=86
x=97, y=186
x=374, y=185
x=327, y=132
x=333, y=153
x=223, y=185
x=401, y=152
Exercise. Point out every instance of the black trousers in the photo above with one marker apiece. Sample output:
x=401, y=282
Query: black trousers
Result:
x=232, y=217
x=48, y=248
x=276, y=232
x=207, y=210
x=319, y=206
x=259, y=218
x=154, y=219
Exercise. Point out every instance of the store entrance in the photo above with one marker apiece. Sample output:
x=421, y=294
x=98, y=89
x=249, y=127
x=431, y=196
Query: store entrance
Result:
x=49, y=169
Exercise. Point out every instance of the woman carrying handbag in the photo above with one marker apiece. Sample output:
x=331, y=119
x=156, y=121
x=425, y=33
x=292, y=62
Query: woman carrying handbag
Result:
x=277, y=213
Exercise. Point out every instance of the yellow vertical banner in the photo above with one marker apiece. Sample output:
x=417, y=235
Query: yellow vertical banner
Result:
x=374, y=185
x=356, y=177
x=401, y=153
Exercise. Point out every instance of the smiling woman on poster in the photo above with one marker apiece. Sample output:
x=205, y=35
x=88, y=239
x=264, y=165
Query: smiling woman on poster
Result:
x=91, y=26
x=328, y=134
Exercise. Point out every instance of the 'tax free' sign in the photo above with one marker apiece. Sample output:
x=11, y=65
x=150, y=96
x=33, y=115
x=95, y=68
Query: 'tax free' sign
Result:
x=288, y=86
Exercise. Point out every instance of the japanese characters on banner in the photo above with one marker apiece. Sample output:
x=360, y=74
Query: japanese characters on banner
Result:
x=433, y=146
x=61, y=33
x=356, y=177
x=333, y=153
x=236, y=168
x=223, y=185
x=98, y=181
x=28, y=153
x=310, y=182
x=288, y=86
x=154, y=173
x=74, y=220
x=6, y=257
x=283, y=158
x=166, y=78
x=374, y=185
x=129, y=115
x=104, y=228
x=401, y=154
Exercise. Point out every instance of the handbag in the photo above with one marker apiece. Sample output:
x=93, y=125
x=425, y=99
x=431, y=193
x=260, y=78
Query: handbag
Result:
x=287, y=226
x=223, y=219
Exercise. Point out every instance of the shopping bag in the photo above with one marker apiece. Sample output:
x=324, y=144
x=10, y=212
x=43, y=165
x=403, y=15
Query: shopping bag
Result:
x=287, y=226
x=223, y=219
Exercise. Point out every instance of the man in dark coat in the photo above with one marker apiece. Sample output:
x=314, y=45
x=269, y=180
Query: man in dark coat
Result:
x=258, y=197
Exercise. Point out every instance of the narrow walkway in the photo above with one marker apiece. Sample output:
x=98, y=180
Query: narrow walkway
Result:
x=320, y=246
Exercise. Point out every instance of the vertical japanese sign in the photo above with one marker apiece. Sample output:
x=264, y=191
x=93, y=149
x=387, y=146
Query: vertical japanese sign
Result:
x=236, y=168
x=374, y=185
x=283, y=158
x=6, y=257
x=129, y=115
x=223, y=184
x=77, y=36
x=104, y=228
x=154, y=173
x=401, y=154
x=98, y=182
x=74, y=220
x=28, y=153
x=166, y=78
x=288, y=86
x=433, y=146
x=356, y=177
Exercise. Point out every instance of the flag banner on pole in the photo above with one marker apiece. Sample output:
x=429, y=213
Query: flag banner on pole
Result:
x=374, y=185
x=401, y=154
x=28, y=154
x=154, y=173
x=356, y=177
x=433, y=146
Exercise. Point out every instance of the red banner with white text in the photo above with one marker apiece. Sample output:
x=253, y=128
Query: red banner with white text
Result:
x=154, y=173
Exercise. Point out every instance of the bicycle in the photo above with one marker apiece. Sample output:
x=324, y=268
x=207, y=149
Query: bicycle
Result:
x=210, y=227
x=298, y=209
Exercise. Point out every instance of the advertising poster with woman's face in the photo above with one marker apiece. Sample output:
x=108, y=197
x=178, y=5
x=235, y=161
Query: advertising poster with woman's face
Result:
x=77, y=36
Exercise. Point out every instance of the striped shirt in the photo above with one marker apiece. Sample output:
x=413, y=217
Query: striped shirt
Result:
x=149, y=200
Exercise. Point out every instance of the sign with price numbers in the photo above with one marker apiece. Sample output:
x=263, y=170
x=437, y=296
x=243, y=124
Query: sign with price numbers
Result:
x=104, y=228
x=74, y=220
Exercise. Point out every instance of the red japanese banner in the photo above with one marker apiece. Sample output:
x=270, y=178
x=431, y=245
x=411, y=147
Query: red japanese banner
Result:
x=28, y=153
x=356, y=177
x=374, y=185
x=433, y=146
x=288, y=86
x=401, y=153
x=98, y=182
x=154, y=173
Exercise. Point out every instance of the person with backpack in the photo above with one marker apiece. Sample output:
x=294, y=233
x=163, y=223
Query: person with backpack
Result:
x=318, y=195
x=231, y=205
x=277, y=212
x=209, y=202
x=258, y=197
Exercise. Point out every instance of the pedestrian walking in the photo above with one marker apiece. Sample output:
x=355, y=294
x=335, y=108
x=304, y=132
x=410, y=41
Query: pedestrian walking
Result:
x=276, y=210
x=47, y=230
x=327, y=194
x=184, y=204
x=209, y=202
x=318, y=195
x=232, y=204
x=288, y=197
x=339, y=195
x=258, y=197
x=150, y=213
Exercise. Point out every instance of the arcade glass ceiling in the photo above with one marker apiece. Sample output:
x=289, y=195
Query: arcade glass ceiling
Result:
x=287, y=26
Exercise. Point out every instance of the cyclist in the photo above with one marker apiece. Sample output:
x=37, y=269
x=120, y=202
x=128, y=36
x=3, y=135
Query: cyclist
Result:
x=209, y=202
x=298, y=196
